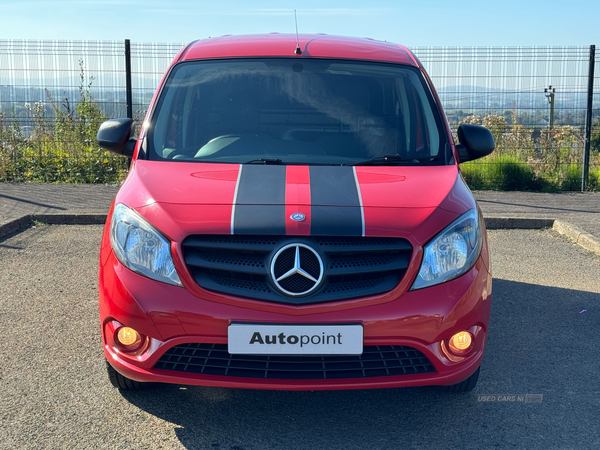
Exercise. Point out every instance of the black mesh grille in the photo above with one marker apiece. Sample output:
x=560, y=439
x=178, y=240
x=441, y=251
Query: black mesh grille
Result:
x=214, y=359
x=338, y=241
x=247, y=285
x=297, y=284
x=353, y=266
x=233, y=258
x=239, y=239
x=358, y=260
x=310, y=263
x=350, y=286
x=284, y=262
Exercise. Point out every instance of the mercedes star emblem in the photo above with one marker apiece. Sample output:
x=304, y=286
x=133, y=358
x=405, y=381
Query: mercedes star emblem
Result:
x=298, y=217
x=297, y=269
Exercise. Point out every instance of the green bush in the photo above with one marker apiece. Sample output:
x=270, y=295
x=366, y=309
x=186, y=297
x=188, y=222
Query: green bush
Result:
x=594, y=179
x=60, y=150
x=475, y=177
x=505, y=173
x=595, y=137
x=527, y=158
x=572, y=178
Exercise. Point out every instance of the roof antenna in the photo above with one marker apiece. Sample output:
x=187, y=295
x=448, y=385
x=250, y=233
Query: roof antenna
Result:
x=298, y=51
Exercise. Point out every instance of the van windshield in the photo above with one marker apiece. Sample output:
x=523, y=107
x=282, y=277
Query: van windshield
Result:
x=287, y=111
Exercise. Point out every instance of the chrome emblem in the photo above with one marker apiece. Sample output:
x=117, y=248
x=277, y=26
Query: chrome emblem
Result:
x=297, y=269
x=298, y=217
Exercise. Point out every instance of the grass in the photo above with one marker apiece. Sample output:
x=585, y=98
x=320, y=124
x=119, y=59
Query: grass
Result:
x=509, y=173
x=504, y=173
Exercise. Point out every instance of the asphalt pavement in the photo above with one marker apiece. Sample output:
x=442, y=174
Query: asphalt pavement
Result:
x=55, y=393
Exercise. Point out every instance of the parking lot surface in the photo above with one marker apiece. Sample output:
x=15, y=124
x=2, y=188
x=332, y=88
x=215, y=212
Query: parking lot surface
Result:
x=544, y=339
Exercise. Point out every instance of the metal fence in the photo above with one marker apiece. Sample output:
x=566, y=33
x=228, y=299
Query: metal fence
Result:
x=149, y=62
x=539, y=145
x=49, y=72
x=535, y=100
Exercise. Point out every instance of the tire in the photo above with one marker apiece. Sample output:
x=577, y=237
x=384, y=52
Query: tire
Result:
x=464, y=386
x=121, y=382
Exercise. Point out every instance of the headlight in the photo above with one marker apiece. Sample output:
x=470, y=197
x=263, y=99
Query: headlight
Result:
x=452, y=252
x=140, y=247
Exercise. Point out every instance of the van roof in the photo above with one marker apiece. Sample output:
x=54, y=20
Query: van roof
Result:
x=315, y=45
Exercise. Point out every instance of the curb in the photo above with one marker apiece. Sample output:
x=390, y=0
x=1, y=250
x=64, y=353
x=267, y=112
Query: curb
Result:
x=15, y=225
x=579, y=236
x=517, y=223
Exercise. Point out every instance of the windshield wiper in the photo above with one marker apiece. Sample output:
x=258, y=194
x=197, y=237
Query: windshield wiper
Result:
x=389, y=160
x=265, y=161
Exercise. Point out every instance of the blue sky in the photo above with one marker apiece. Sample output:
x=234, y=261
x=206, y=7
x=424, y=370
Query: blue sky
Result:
x=439, y=23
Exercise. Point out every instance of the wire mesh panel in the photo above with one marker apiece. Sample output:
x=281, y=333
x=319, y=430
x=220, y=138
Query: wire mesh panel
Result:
x=596, y=103
x=533, y=99
x=509, y=80
x=149, y=61
x=52, y=73
x=594, y=177
x=53, y=97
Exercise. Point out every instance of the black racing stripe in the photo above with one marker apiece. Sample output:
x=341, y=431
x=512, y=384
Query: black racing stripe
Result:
x=333, y=186
x=260, y=203
x=259, y=219
x=335, y=221
x=335, y=204
x=261, y=185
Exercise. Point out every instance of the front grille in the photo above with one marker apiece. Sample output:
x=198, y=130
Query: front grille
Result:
x=214, y=359
x=353, y=266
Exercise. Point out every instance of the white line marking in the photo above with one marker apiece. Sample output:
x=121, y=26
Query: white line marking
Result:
x=235, y=194
x=362, y=211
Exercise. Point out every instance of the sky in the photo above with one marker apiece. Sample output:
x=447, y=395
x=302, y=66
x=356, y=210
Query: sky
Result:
x=413, y=23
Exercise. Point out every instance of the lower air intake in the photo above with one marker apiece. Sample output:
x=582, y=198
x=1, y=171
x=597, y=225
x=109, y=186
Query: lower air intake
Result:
x=214, y=359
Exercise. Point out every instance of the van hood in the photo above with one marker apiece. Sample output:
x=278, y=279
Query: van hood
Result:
x=295, y=200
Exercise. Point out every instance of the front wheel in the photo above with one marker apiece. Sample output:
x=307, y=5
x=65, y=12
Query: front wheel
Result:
x=121, y=382
x=463, y=386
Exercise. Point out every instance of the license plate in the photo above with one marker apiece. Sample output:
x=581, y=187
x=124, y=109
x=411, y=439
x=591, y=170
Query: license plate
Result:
x=273, y=339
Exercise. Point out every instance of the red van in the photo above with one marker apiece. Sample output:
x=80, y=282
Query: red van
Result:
x=295, y=218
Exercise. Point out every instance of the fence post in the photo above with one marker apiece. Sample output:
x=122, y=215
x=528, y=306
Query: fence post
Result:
x=588, y=121
x=128, y=78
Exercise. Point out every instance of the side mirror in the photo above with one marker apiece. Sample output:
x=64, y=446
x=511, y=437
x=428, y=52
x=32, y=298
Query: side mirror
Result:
x=113, y=135
x=475, y=142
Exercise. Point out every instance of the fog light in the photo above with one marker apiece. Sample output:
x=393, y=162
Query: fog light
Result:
x=128, y=337
x=460, y=342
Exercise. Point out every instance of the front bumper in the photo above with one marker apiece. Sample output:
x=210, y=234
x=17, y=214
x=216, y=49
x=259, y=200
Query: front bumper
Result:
x=171, y=316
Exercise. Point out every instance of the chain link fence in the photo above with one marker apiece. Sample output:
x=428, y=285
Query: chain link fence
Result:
x=54, y=94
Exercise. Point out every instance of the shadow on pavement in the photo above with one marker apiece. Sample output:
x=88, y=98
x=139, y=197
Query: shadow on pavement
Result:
x=535, y=206
x=540, y=343
x=22, y=200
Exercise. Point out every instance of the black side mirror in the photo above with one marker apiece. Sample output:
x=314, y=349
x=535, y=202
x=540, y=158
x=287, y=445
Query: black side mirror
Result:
x=475, y=142
x=113, y=135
